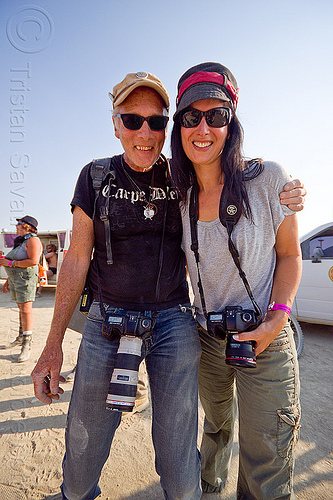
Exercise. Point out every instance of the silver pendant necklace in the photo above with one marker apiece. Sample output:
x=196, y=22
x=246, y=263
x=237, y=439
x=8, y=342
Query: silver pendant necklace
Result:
x=149, y=209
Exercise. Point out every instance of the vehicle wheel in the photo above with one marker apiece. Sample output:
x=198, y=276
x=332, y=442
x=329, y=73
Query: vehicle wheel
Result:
x=298, y=334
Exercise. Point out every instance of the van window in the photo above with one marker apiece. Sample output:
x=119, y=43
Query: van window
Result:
x=9, y=239
x=62, y=237
x=320, y=245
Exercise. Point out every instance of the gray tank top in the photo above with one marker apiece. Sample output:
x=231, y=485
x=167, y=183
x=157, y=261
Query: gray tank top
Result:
x=20, y=252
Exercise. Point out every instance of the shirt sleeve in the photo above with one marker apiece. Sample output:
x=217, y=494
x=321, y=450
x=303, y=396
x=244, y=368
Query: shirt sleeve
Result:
x=84, y=194
x=277, y=177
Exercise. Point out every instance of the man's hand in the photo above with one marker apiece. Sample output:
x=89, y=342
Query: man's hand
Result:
x=5, y=287
x=46, y=375
x=293, y=195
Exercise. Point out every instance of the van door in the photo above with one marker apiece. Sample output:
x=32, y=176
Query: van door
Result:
x=63, y=245
x=6, y=244
x=314, y=298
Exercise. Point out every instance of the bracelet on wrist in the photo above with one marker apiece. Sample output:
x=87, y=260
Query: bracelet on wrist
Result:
x=10, y=263
x=274, y=306
x=13, y=263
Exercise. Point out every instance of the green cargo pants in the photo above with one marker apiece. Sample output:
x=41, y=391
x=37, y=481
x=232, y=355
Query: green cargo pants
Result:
x=269, y=415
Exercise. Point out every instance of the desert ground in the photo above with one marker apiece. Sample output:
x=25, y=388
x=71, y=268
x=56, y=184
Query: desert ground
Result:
x=32, y=434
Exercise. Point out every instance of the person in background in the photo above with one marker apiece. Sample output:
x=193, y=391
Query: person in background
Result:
x=244, y=260
x=21, y=265
x=51, y=257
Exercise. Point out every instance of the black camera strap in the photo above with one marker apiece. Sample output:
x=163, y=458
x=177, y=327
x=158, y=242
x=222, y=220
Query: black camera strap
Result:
x=194, y=216
x=162, y=160
x=229, y=214
x=100, y=170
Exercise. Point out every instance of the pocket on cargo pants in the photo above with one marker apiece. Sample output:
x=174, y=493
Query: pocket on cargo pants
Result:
x=288, y=426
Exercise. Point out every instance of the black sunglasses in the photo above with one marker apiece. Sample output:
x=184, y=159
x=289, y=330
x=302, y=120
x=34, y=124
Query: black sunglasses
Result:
x=135, y=122
x=216, y=117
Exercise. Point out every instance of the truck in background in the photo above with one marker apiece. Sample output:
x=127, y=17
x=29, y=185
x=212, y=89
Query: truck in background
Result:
x=314, y=298
x=61, y=239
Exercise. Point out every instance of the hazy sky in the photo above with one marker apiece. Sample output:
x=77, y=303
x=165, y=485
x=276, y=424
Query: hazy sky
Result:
x=60, y=58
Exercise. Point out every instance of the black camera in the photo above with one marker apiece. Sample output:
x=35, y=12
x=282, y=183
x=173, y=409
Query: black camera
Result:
x=235, y=319
x=131, y=323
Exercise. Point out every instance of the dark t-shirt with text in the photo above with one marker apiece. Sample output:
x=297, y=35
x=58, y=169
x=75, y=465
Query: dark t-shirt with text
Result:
x=148, y=270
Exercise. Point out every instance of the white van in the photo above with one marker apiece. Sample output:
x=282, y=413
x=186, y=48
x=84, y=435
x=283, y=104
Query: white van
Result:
x=61, y=239
x=314, y=299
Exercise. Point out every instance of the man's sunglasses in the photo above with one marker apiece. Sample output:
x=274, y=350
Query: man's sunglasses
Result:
x=216, y=117
x=135, y=122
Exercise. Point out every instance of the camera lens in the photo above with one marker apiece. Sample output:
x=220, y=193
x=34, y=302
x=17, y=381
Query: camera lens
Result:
x=240, y=353
x=246, y=317
x=124, y=380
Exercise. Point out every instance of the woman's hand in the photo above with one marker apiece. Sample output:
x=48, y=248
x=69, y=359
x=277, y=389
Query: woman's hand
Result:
x=4, y=262
x=5, y=287
x=266, y=332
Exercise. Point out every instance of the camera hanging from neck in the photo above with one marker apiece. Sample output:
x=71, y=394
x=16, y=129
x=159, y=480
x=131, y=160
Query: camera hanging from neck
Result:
x=229, y=214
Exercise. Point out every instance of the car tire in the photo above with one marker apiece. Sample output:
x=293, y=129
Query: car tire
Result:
x=298, y=334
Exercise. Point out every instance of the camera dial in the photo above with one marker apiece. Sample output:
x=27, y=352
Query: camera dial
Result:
x=146, y=323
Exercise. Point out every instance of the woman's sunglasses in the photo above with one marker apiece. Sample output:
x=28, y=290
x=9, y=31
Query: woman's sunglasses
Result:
x=216, y=117
x=135, y=122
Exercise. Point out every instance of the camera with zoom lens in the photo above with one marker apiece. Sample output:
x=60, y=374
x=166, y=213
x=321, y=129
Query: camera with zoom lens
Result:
x=124, y=380
x=121, y=323
x=235, y=319
x=132, y=327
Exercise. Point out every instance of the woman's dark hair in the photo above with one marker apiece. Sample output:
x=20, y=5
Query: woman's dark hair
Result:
x=232, y=165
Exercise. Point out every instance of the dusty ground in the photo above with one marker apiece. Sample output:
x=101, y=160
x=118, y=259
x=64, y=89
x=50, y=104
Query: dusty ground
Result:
x=32, y=435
